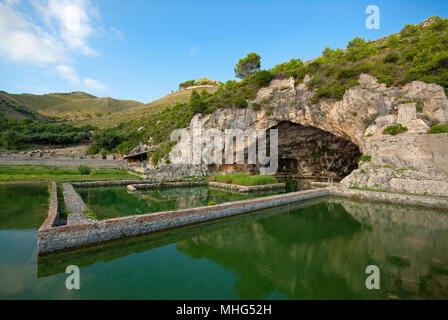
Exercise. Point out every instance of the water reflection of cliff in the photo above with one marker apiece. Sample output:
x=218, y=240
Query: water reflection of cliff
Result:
x=322, y=252
x=317, y=249
x=182, y=198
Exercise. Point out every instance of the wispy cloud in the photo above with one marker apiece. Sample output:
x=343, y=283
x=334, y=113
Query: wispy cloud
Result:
x=22, y=41
x=194, y=51
x=72, y=20
x=95, y=85
x=62, y=30
x=68, y=73
x=116, y=32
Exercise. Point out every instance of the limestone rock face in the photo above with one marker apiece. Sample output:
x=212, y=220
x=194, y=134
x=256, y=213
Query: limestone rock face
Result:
x=395, y=180
x=359, y=120
x=436, y=102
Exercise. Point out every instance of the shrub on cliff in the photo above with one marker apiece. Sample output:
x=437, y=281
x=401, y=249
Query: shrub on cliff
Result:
x=262, y=78
x=439, y=128
x=395, y=129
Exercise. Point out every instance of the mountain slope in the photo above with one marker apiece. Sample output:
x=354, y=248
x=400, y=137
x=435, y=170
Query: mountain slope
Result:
x=10, y=109
x=70, y=106
x=145, y=110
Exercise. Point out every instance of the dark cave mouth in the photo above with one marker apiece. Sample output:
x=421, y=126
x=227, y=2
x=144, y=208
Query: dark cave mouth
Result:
x=307, y=151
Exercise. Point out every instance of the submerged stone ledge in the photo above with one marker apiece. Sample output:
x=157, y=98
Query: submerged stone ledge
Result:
x=397, y=198
x=168, y=184
x=110, y=183
x=241, y=188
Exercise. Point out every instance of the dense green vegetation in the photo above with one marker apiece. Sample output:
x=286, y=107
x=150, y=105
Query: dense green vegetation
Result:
x=201, y=82
x=439, y=128
x=395, y=129
x=17, y=134
x=365, y=158
x=244, y=179
x=84, y=170
x=157, y=127
x=17, y=108
x=415, y=53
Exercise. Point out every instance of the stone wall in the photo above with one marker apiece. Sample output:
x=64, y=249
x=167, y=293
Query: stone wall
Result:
x=170, y=184
x=71, y=236
x=75, y=206
x=240, y=188
x=53, y=214
x=52, y=238
x=398, y=198
x=91, y=184
x=9, y=158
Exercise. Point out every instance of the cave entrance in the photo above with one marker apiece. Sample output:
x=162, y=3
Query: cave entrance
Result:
x=287, y=165
x=307, y=151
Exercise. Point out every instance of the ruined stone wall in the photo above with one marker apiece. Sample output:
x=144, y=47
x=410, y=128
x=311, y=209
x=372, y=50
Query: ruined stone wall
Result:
x=71, y=236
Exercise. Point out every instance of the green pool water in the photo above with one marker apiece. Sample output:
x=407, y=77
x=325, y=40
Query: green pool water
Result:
x=111, y=202
x=314, y=250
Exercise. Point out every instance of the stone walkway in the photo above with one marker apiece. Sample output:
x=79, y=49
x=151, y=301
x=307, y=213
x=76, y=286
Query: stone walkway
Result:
x=75, y=206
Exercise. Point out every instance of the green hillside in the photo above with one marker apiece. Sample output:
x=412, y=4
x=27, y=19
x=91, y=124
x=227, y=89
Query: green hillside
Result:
x=71, y=106
x=143, y=110
x=10, y=109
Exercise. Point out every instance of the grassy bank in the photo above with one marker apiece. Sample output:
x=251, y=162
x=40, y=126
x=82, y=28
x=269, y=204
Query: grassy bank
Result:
x=244, y=179
x=46, y=173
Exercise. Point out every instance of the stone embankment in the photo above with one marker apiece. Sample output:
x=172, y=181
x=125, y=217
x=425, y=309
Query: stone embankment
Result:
x=168, y=184
x=71, y=236
x=85, y=231
x=15, y=158
x=240, y=188
x=389, y=197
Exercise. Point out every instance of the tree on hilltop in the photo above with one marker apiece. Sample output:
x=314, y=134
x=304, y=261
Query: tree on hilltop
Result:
x=248, y=65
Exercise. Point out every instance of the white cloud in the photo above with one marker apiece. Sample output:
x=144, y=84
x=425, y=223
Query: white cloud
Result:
x=64, y=29
x=68, y=73
x=95, y=85
x=72, y=20
x=21, y=40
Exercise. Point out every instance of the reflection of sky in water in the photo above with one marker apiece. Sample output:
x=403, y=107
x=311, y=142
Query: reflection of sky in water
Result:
x=315, y=251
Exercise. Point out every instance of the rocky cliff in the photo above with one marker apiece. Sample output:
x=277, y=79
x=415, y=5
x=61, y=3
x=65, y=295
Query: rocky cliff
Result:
x=327, y=138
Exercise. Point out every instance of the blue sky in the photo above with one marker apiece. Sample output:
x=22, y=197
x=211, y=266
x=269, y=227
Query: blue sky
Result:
x=142, y=50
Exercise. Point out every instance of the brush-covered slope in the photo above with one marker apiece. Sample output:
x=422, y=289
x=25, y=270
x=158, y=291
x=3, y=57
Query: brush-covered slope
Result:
x=71, y=106
x=145, y=110
x=12, y=110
